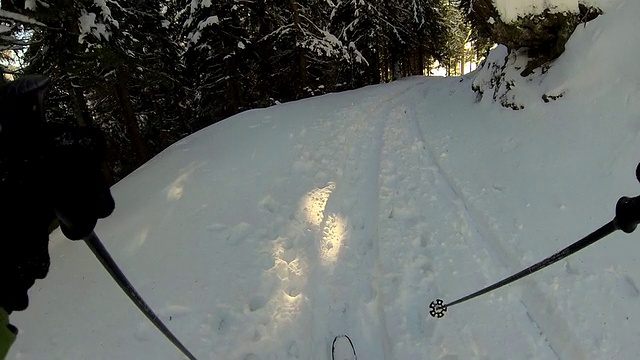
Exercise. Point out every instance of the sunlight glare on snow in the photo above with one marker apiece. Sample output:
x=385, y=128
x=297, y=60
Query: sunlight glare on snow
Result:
x=176, y=189
x=137, y=241
x=314, y=202
x=313, y=205
x=292, y=270
x=333, y=236
x=287, y=307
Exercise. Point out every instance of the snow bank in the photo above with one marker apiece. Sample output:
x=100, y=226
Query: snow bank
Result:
x=595, y=61
x=510, y=10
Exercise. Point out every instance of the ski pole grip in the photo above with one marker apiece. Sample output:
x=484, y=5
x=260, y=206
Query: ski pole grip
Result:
x=628, y=213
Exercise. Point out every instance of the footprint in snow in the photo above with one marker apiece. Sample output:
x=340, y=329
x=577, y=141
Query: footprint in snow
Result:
x=221, y=320
x=269, y=204
x=628, y=286
x=294, y=351
x=238, y=233
x=257, y=302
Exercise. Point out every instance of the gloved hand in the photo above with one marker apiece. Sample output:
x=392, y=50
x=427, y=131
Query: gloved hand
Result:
x=79, y=193
x=45, y=170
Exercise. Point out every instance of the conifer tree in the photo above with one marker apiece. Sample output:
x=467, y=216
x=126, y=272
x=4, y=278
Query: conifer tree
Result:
x=217, y=36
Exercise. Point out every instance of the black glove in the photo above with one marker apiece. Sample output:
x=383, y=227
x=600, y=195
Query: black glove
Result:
x=25, y=212
x=44, y=170
x=79, y=193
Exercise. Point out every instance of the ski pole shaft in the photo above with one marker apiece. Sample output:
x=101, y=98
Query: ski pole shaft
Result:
x=577, y=246
x=439, y=308
x=112, y=268
x=627, y=219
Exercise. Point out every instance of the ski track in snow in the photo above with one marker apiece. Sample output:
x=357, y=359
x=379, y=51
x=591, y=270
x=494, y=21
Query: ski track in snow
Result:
x=411, y=246
x=351, y=288
x=539, y=309
x=360, y=253
x=361, y=246
x=358, y=230
x=327, y=252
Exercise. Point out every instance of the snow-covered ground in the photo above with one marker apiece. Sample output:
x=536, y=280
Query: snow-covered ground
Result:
x=265, y=235
x=510, y=10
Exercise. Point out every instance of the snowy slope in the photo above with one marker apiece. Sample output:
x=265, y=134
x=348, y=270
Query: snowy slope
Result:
x=510, y=10
x=265, y=235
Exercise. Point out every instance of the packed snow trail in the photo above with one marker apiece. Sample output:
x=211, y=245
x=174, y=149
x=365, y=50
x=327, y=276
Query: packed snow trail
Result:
x=516, y=204
x=354, y=231
x=361, y=251
x=267, y=234
x=428, y=232
x=540, y=310
x=333, y=234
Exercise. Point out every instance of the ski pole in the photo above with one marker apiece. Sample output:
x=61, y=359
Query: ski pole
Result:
x=627, y=219
x=98, y=249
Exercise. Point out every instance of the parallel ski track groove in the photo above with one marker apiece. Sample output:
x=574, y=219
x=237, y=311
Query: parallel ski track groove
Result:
x=543, y=314
x=373, y=262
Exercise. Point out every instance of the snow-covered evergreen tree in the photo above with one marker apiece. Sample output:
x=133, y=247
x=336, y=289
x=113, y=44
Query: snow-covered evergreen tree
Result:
x=395, y=37
x=114, y=66
x=217, y=39
x=305, y=48
x=362, y=25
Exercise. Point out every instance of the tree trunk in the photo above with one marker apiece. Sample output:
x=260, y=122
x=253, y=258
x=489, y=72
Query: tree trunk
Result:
x=265, y=88
x=79, y=104
x=234, y=89
x=374, y=64
x=406, y=65
x=384, y=57
x=129, y=116
x=302, y=59
x=420, y=59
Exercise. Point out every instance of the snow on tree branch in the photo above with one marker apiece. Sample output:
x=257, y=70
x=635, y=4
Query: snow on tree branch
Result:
x=30, y=5
x=89, y=23
x=106, y=12
x=8, y=15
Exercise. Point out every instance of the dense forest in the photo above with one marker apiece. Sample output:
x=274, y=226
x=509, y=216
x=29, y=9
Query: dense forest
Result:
x=149, y=72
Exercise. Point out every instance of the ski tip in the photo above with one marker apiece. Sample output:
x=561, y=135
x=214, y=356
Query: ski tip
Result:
x=342, y=336
x=342, y=348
